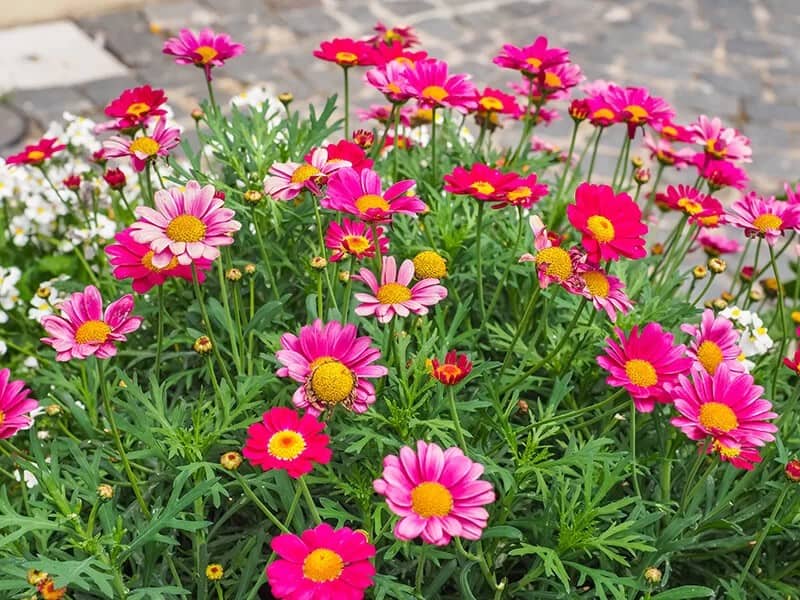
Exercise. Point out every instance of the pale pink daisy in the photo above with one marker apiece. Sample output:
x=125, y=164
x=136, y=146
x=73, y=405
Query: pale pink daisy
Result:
x=606, y=292
x=145, y=147
x=715, y=341
x=389, y=79
x=361, y=194
x=720, y=142
x=394, y=296
x=715, y=245
x=288, y=179
x=764, y=217
x=188, y=225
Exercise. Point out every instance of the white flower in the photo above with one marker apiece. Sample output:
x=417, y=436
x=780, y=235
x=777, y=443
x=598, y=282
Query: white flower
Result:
x=742, y=317
x=27, y=476
x=755, y=341
x=3, y=348
x=31, y=362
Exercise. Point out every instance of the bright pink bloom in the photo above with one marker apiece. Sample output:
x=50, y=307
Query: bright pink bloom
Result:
x=644, y=364
x=362, y=195
x=437, y=493
x=394, y=296
x=83, y=329
x=389, y=80
x=131, y=260
x=145, y=147
x=715, y=245
x=481, y=181
x=36, y=154
x=188, y=225
x=714, y=343
x=205, y=50
x=553, y=84
x=493, y=101
x=554, y=264
x=287, y=180
x=611, y=223
x=663, y=151
x=403, y=36
x=395, y=53
x=682, y=197
x=719, y=142
x=115, y=178
x=636, y=107
x=381, y=114
x=720, y=173
x=768, y=218
x=601, y=112
x=346, y=52
x=322, y=563
x=284, y=440
x=725, y=406
x=353, y=238
x=740, y=457
x=792, y=196
x=429, y=82
x=531, y=60
x=606, y=292
x=15, y=405
x=672, y=132
x=712, y=213
x=347, y=151
x=523, y=192
x=136, y=106
x=332, y=364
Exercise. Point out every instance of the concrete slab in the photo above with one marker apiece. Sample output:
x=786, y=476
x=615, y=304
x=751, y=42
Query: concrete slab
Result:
x=52, y=54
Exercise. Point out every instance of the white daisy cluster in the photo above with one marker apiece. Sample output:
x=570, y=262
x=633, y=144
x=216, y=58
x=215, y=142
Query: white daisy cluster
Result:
x=260, y=97
x=9, y=294
x=754, y=339
x=47, y=298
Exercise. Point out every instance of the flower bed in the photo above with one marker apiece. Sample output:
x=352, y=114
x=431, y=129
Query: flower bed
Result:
x=294, y=360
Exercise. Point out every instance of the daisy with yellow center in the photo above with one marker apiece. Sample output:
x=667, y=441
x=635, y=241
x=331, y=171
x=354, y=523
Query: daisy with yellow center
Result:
x=714, y=342
x=764, y=217
x=606, y=292
x=354, y=238
x=287, y=180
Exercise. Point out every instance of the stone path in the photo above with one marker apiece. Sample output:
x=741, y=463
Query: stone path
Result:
x=738, y=59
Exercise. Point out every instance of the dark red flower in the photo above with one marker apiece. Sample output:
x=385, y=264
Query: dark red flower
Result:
x=452, y=370
x=793, y=470
x=115, y=179
x=135, y=106
x=36, y=154
x=72, y=182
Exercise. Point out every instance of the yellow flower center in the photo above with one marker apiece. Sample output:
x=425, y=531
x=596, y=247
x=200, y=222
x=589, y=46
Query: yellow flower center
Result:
x=2, y=417
x=603, y=113
x=322, y=565
x=137, y=109
x=597, y=283
x=726, y=451
x=482, y=187
x=533, y=61
x=368, y=201
x=558, y=261
x=767, y=222
x=435, y=92
x=690, y=206
x=718, y=416
x=207, y=54
x=424, y=115
x=304, y=172
x=391, y=35
x=523, y=192
x=601, y=228
x=35, y=155
x=346, y=58
x=331, y=381
x=393, y=87
x=491, y=103
x=428, y=264
x=636, y=114
x=186, y=228
x=709, y=354
x=668, y=131
x=355, y=244
x=431, y=499
x=711, y=148
x=147, y=263
x=92, y=332
x=641, y=372
x=393, y=293
x=552, y=81
x=449, y=370
x=286, y=445
x=145, y=145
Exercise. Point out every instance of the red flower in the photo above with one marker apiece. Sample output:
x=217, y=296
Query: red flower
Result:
x=72, y=182
x=135, y=106
x=352, y=153
x=115, y=178
x=347, y=52
x=794, y=362
x=793, y=470
x=453, y=370
x=481, y=182
x=37, y=153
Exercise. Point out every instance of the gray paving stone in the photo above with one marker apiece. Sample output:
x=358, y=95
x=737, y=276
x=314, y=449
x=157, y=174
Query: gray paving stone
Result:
x=49, y=104
x=176, y=15
x=309, y=21
x=12, y=128
x=127, y=35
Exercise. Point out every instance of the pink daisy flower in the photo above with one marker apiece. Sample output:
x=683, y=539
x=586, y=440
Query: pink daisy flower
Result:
x=429, y=82
x=725, y=406
x=321, y=563
x=682, y=197
x=136, y=106
x=145, y=147
x=346, y=52
x=606, y=292
x=740, y=457
x=644, y=364
x=712, y=213
x=403, y=36
x=663, y=151
x=361, y=194
x=332, y=364
x=186, y=225
x=394, y=296
x=720, y=173
x=381, y=114
x=83, y=329
x=389, y=80
x=768, y=218
x=287, y=180
x=205, y=50
x=284, y=440
x=396, y=53
x=716, y=245
x=715, y=342
x=481, y=182
x=523, y=192
x=552, y=85
x=15, y=405
x=636, y=107
x=532, y=59
x=719, y=142
x=672, y=132
x=131, y=260
x=36, y=154
x=346, y=151
x=493, y=102
x=353, y=238
x=437, y=494
x=792, y=196
x=554, y=264
x=611, y=223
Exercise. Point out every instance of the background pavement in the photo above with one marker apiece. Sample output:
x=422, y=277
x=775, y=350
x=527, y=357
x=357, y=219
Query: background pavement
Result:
x=738, y=59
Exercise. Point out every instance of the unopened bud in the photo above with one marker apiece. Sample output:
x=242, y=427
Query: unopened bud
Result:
x=792, y=470
x=522, y=407
x=286, y=98
x=756, y=295
x=344, y=276
x=230, y=460
x=253, y=196
x=637, y=162
x=233, y=274
x=52, y=410
x=250, y=268
x=719, y=304
x=319, y=262
x=699, y=272
x=657, y=249
x=105, y=491
x=727, y=296
x=203, y=345
x=770, y=286
x=641, y=176
x=716, y=265
x=652, y=575
x=198, y=114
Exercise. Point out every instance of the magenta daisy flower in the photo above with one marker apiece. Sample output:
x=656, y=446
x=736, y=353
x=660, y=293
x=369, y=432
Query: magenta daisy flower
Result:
x=725, y=406
x=362, y=195
x=394, y=296
x=720, y=142
x=665, y=153
x=389, y=79
x=332, y=364
x=720, y=173
x=83, y=329
x=636, y=107
x=187, y=225
x=287, y=180
x=145, y=147
x=554, y=264
x=644, y=364
x=715, y=341
x=205, y=50
x=715, y=245
x=353, y=238
x=764, y=217
x=481, y=181
x=741, y=457
x=15, y=405
x=606, y=292
x=437, y=494
x=429, y=82
x=523, y=192
x=532, y=59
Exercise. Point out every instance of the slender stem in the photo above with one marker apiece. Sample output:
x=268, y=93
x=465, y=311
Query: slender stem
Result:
x=214, y=346
x=348, y=290
x=376, y=241
x=456, y=421
x=479, y=235
x=520, y=327
x=594, y=154
x=396, y=109
x=160, y=332
x=502, y=285
x=346, y=103
x=692, y=474
x=634, y=467
x=309, y=500
x=703, y=291
x=568, y=162
x=223, y=290
x=763, y=536
x=782, y=318
x=652, y=198
x=248, y=491
x=526, y=126
x=321, y=236
x=433, y=147
x=265, y=256
x=420, y=571
x=755, y=268
x=211, y=99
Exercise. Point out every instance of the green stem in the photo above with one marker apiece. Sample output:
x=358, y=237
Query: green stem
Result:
x=692, y=474
x=520, y=327
x=763, y=536
x=396, y=109
x=378, y=257
x=433, y=148
x=568, y=162
x=348, y=290
x=502, y=285
x=248, y=491
x=652, y=198
x=309, y=500
x=346, y=103
x=420, y=571
x=456, y=421
x=210, y=329
x=782, y=318
x=633, y=451
x=265, y=256
x=321, y=236
x=211, y=99
x=703, y=291
x=479, y=235
x=594, y=154
x=223, y=290
x=160, y=331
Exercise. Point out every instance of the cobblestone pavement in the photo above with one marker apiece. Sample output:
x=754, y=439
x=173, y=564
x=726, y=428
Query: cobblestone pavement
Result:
x=738, y=59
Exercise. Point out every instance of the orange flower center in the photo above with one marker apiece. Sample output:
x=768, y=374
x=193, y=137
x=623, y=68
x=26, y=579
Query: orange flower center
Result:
x=690, y=206
x=331, y=381
x=603, y=113
x=726, y=451
x=709, y=354
x=346, y=58
x=711, y=148
x=533, y=61
x=601, y=228
x=669, y=132
x=304, y=172
x=286, y=445
x=482, y=187
x=2, y=417
x=552, y=81
x=636, y=114
x=393, y=293
x=558, y=261
x=393, y=87
x=523, y=192
x=137, y=109
x=718, y=416
x=597, y=283
x=322, y=565
x=145, y=145
x=641, y=372
x=207, y=54
x=355, y=244
x=186, y=228
x=35, y=155
x=147, y=263
x=92, y=332
x=491, y=103
x=435, y=92
x=767, y=222
x=431, y=499
x=449, y=371
x=370, y=201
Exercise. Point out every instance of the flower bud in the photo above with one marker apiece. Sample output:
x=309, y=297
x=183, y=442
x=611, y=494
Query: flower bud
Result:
x=719, y=304
x=253, y=196
x=699, y=272
x=641, y=176
x=105, y=491
x=727, y=296
x=72, y=182
x=657, y=249
x=52, y=410
x=578, y=110
x=363, y=138
x=286, y=98
x=319, y=262
x=214, y=572
x=716, y=265
x=344, y=276
x=652, y=575
x=198, y=114
x=746, y=274
x=792, y=470
x=250, y=268
x=115, y=179
x=770, y=286
x=637, y=162
x=36, y=577
x=230, y=460
x=203, y=345
x=522, y=407
x=233, y=274
x=219, y=194
x=756, y=295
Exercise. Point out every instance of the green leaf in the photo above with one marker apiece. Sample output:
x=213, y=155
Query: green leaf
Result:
x=684, y=592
